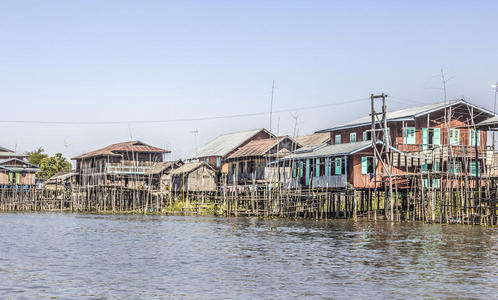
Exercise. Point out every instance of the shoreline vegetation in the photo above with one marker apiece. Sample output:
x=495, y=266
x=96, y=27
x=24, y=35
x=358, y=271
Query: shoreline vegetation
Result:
x=318, y=206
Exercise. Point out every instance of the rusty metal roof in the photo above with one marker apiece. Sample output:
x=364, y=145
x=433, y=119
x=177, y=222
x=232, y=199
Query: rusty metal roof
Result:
x=189, y=167
x=132, y=146
x=313, y=139
x=161, y=166
x=257, y=147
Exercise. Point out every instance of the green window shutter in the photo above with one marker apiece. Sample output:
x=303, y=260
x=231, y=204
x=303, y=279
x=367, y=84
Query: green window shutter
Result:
x=409, y=136
x=11, y=177
x=337, y=139
x=424, y=167
x=473, y=169
x=218, y=162
x=338, y=166
x=364, y=165
x=301, y=167
x=454, y=136
x=326, y=172
x=425, y=182
x=307, y=182
x=317, y=168
x=294, y=170
x=474, y=134
x=454, y=168
x=435, y=182
x=18, y=178
x=207, y=160
x=435, y=166
x=436, y=140
x=364, y=135
x=425, y=138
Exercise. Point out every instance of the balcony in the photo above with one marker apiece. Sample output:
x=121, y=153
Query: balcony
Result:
x=333, y=181
x=131, y=168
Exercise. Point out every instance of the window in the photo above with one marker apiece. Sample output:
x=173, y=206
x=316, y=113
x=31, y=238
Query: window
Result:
x=367, y=135
x=475, y=134
x=454, y=167
x=424, y=167
x=409, y=136
x=218, y=162
x=322, y=166
x=367, y=165
x=337, y=139
x=473, y=170
x=317, y=167
x=207, y=160
x=435, y=166
x=352, y=137
x=430, y=137
x=454, y=136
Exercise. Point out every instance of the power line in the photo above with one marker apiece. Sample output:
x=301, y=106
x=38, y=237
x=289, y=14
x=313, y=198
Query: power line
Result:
x=181, y=119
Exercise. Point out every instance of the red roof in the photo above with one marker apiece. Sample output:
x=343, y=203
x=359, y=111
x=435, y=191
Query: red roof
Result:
x=132, y=146
x=256, y=148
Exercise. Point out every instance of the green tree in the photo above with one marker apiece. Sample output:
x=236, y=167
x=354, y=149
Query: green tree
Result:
x=50, y=165
x=36, y=156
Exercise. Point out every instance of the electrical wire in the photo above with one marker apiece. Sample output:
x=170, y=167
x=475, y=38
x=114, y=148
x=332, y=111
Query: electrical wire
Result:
x=180, y=119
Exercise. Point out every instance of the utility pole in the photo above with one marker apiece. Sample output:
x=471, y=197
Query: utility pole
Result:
x=385, y=150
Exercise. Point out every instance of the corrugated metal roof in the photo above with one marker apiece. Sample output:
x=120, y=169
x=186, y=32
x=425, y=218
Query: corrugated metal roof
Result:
x=489, y=122
x=3, y=149
x=226, y=143
x=407, y=113
x=159, y=167
x=189, y=167
x=135, y=146
x=313, y=139
x=61, y=175
x=11, y=154
x=333, y=150
x=256, y=148
x=28, y=166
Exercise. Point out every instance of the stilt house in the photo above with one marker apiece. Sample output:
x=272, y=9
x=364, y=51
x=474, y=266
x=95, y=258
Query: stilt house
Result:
x=123, y=164
x=159, y=176
x=429, y=139
x=250, y=164
x=218, y=150
x=15, y=169
x=194, y=177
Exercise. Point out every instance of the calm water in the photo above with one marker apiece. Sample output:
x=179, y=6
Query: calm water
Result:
x=84, y=256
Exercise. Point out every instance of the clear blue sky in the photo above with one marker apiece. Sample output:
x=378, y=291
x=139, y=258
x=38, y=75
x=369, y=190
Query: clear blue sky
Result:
x=135, y=60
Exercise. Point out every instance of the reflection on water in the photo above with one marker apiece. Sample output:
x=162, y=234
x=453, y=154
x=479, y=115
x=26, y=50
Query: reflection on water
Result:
x=84, y=256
